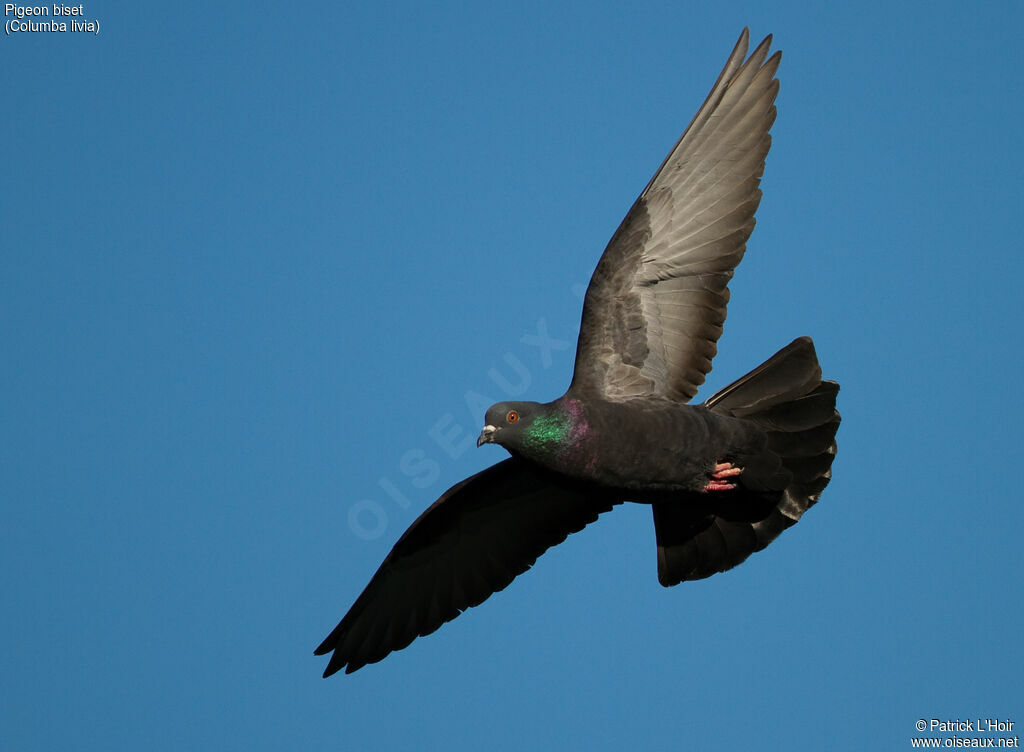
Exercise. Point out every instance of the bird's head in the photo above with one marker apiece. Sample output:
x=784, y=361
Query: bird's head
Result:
x=534, y=430
x=508, y=423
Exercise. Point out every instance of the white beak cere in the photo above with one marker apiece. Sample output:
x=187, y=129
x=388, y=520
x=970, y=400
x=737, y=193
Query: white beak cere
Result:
x=486, y=435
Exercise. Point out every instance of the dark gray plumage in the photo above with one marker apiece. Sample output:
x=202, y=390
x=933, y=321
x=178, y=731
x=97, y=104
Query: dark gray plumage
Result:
x=724, y=478
x=656, y=303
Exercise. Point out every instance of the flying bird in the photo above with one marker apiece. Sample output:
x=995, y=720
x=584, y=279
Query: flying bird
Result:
x=723, y=478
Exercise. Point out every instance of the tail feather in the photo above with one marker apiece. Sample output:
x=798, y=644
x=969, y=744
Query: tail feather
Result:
x=790, y=373
x=786, y=397
x=809, y=411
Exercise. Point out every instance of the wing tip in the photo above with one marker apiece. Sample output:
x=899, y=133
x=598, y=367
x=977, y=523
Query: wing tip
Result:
x=761, y=52
x=337, y=663
x=328, y=643
x=332, y=668
x=764, y=45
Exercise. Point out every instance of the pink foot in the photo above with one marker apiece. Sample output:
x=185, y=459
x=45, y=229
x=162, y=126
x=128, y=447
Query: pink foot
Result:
x=720, y=475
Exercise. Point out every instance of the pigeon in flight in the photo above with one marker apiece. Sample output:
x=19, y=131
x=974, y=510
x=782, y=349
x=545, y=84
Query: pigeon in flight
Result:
x=723, y=478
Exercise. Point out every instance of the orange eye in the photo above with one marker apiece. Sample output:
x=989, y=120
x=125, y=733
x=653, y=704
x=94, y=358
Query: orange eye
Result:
x=512, y=416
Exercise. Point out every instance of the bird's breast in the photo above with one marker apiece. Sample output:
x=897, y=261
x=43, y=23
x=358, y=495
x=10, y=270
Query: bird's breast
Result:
x=640, y=447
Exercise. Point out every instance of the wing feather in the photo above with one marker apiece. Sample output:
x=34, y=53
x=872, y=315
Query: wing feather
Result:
x=473, y=541
x=656, y=304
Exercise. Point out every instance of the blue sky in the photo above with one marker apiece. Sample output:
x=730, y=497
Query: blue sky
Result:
x=254, y=255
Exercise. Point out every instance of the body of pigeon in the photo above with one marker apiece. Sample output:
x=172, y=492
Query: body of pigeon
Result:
x=724, y=478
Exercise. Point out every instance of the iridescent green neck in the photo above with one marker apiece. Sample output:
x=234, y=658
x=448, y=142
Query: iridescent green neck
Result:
x=548, y=431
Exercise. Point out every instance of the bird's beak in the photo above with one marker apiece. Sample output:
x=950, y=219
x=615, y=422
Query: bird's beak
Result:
x=486, y=436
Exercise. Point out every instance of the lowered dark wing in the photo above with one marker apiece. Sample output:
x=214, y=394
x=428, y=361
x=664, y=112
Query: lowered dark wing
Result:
x=655, y=306
x=692, y=547
x=471, y=542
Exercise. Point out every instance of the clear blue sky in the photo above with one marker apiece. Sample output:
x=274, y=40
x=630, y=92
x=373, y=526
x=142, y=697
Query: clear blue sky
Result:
x=254, y=254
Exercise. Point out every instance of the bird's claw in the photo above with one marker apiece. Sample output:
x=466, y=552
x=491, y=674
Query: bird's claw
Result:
x=720, y=475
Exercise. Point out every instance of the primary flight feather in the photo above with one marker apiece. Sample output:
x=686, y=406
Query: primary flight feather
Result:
x=723, y=478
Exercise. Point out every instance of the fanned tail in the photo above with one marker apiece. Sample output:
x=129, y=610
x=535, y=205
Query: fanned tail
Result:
x=787, y=398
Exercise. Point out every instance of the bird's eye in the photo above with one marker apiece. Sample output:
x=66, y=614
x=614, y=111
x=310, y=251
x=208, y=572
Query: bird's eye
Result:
x=512, y=416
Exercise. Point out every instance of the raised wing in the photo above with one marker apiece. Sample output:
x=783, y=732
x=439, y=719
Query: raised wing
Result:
x=655, y=306
x=471, y=542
